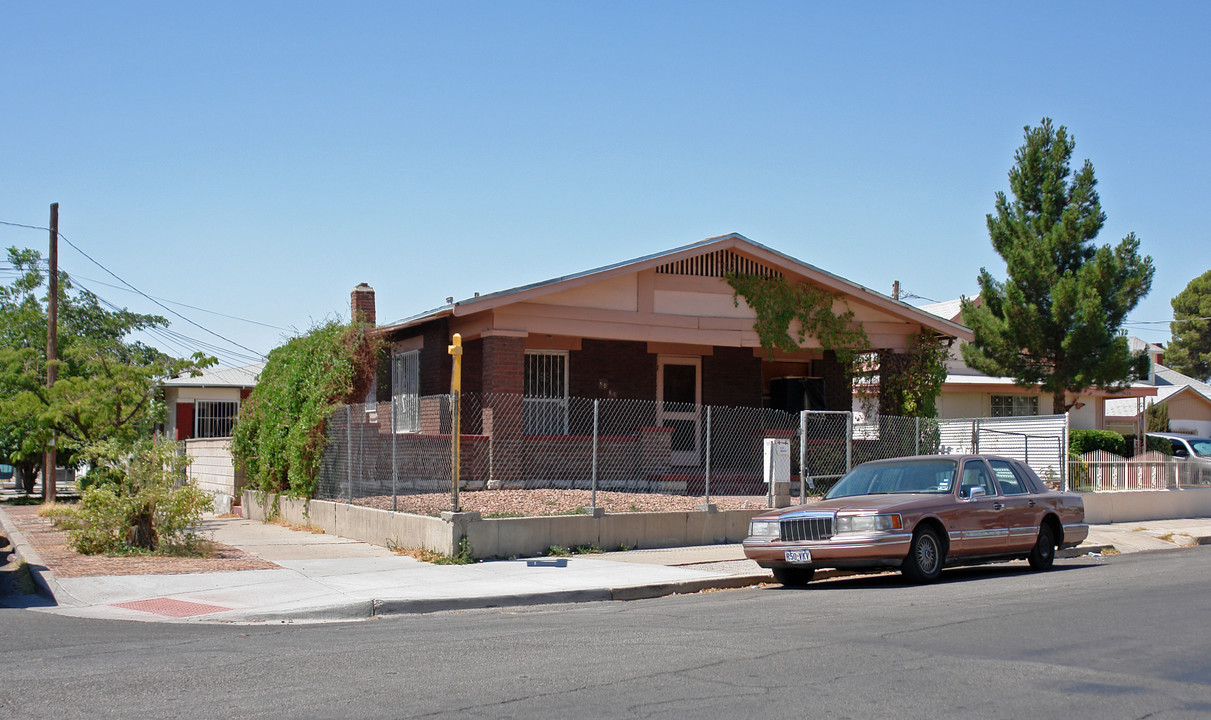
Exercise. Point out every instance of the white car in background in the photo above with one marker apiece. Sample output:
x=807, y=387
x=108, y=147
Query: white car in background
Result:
x=1195, y=454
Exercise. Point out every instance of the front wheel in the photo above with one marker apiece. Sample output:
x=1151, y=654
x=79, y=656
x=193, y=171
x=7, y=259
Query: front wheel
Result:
x=1042, y=555
x=924, y=561
x=794, y=576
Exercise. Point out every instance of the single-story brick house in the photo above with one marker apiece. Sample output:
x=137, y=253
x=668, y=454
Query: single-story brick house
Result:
x=662, y=328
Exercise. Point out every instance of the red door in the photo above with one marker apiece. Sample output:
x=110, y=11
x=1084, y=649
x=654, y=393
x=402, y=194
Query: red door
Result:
x=184, y=421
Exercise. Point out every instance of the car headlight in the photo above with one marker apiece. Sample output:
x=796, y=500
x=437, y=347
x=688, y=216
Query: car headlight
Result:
x=763, y=528
x=868, y=523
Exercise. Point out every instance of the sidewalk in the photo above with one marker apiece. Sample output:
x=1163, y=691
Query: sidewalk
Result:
x=326, y=578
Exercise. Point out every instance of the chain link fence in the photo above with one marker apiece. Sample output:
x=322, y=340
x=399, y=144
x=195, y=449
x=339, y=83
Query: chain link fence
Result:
x=378, y=454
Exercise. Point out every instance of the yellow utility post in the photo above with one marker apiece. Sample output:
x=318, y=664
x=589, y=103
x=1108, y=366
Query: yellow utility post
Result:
x=456, y=389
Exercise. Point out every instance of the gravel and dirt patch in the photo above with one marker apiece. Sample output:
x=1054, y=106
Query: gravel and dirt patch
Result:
x=51, y=544
x=538, y=503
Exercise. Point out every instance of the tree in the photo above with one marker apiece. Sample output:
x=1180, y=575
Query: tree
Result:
x=1055, y=321
x=103, y=400
x=1189, y=350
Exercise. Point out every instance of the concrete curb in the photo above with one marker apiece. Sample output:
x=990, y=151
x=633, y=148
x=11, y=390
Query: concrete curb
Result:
x=43, y=577
x=336, y=612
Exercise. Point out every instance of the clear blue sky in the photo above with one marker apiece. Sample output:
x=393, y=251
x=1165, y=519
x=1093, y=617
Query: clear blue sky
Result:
x=259, y=159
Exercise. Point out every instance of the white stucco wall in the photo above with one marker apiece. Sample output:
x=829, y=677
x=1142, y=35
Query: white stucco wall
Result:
x=213, y=470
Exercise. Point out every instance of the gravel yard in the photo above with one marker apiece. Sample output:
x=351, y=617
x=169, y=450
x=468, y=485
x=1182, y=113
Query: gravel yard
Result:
x=535, y=503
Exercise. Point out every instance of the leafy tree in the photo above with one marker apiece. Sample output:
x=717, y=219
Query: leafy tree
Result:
x=104, y=394
x=1189, y=351
x=1054, y=322
x=280, y=437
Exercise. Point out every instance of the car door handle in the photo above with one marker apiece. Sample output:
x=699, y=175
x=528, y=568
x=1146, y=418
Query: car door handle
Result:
x=997, y=506
x=1031, y=503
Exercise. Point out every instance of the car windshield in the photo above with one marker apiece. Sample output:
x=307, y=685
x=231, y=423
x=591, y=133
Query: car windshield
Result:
x=1202, y=446
x=930, y=476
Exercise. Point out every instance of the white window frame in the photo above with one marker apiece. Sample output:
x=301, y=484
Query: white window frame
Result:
x=1014, y=406
x=545, y=412
x=405, y=391
x=210, y=419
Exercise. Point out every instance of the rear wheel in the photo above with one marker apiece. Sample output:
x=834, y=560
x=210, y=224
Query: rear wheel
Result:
x=794, y=576
x=1042, y=555
x=924, y=561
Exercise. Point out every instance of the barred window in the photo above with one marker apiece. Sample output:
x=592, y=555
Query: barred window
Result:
x=1014, y=405
x=405, y=390
x=214, y=419
x=545, y=403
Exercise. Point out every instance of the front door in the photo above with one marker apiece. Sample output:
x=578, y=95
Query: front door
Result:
x=679, y=389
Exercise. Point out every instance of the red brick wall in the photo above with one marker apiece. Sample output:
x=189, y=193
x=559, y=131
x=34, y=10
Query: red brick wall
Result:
x=504, y=365
x=627, y=369
x=838, y=393
x=731, y=377
x=435, y=359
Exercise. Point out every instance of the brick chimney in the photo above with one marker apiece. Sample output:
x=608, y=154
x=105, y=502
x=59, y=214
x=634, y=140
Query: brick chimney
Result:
x=361, y=304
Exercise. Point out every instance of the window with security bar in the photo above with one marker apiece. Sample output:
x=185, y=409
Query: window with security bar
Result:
x=213, y=418
x=545, y=403
x=1014, y=405
x=405, y=390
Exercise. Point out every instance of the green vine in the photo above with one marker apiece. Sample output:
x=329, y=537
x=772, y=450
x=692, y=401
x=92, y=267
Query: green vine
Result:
x=778, y=303
x=280, y=436
x=910, y=382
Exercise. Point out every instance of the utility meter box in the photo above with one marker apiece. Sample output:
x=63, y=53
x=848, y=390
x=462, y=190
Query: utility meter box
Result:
x=777, y=460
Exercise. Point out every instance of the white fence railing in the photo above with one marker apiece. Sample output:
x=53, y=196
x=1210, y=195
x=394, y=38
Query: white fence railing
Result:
x=1101, y=471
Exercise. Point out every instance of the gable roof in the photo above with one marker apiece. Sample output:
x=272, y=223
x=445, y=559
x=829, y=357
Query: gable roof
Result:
x=1169, y=383
x=243, y=376
x=732, y=246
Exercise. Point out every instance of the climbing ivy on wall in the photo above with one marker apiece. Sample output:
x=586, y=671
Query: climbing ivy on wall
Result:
x=280, y=436
x=778, y=303
x=910, y=382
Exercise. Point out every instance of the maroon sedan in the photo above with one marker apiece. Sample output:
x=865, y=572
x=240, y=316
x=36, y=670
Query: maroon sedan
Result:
x=920, y=514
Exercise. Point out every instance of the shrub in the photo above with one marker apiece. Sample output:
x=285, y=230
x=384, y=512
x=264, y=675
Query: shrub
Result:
x=280, y=437
x=143, y=509
x=1083, y=441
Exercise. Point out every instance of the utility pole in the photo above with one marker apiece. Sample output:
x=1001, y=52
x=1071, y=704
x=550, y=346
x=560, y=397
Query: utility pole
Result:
x=50, y=464
x=895, y=290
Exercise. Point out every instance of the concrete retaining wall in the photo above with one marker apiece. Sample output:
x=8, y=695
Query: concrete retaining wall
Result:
x=1137, y=506
x=507, y=537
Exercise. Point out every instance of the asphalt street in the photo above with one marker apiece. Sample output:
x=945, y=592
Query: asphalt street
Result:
x=1117, y=637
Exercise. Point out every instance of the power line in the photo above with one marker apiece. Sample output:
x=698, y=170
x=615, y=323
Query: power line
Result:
x=136, y=290
x=191, y=307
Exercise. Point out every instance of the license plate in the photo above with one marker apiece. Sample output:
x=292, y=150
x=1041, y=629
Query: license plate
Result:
x=798, y=556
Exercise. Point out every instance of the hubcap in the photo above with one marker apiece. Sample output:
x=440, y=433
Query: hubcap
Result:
x=927, y=554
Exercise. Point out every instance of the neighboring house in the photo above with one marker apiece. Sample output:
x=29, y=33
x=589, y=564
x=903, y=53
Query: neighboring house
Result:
x=968, y=393
x=201, y=411
x=1188, y=400
x=662, y=328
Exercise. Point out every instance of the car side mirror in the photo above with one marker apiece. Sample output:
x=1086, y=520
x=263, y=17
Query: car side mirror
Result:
x=976, y=492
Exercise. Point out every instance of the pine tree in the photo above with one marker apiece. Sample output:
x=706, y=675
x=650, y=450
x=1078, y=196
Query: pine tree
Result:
x=1189, y=351
x=1054, y=322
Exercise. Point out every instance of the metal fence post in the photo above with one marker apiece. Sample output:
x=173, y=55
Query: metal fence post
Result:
x=916, y=439
x=849, y=441
x=595, y=404
x=349, y=454
x=1064, y=457
x=707, y=483
x=975, y=437
x=394, y=464
x=802, y=456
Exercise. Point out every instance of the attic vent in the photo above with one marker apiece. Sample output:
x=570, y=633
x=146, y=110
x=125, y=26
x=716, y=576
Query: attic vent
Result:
x=717, y=264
